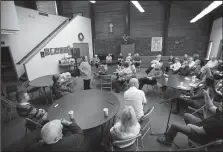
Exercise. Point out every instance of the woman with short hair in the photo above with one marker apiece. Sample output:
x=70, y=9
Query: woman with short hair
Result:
x=85, y=70
x=127, y=127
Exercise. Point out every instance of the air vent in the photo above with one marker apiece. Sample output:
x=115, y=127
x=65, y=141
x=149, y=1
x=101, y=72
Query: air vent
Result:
x=43, y=14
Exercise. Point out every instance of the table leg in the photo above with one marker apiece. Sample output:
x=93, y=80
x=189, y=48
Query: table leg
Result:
x=44, y=94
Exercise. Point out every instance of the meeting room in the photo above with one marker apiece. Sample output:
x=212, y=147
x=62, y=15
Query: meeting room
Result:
x=111, y=76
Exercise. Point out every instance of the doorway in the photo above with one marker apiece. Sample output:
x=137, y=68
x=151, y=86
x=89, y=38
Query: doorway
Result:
x=8, y=72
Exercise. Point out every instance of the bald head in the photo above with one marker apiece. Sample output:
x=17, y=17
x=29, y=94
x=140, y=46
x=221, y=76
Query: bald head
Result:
x=133, y=82
x=52, y=132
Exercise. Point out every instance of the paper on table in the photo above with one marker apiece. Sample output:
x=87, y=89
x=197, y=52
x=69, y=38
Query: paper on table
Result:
x=166, y=75
x=186, y=78
x=182, y=87
x=192, y=85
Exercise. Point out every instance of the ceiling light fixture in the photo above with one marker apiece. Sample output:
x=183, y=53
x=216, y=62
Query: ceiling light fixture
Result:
x=93, y=1
x=138, y=6
x=207, y=10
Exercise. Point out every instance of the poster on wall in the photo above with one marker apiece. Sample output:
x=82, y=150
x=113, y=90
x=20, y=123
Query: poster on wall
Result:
x=156, y=44
x=57, y=51
x=61, y=50
x=42, y=54
x=47, y=51
x=52, y=51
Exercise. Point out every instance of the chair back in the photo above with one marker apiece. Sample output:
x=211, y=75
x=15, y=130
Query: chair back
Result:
x=126, y=142
x=8, y=102
x=146, y=116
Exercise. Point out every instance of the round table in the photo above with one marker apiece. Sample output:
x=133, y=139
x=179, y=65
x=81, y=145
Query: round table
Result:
x=174, y=82
x=88, y=107
x=43, y=81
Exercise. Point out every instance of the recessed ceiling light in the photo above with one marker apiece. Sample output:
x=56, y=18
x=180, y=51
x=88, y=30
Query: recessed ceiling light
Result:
x=207, y=10
x=138, y=6
x=93, y=1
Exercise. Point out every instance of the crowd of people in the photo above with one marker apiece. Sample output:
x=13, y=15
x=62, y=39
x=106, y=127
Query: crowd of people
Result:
x=208, y=89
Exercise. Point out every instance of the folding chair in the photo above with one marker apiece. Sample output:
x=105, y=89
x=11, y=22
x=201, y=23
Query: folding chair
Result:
x=203, y=147
x=7, y=108
x=33, y=124
x=202, y=110
x=106, y=82
x=31, y=89
x=95, y=77
x=132, y=147
x=145, y=123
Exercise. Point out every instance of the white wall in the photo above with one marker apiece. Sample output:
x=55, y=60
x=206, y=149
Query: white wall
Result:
x=9, y=19
x=33, y=29
x=216, y=36
x=39, y=66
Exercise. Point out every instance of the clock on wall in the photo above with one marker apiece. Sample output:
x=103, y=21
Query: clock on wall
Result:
x=81, y=36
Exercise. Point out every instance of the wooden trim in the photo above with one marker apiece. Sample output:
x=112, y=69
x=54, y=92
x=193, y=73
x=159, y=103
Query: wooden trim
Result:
x=92, y=16
x=127, y=18
x=167, y=8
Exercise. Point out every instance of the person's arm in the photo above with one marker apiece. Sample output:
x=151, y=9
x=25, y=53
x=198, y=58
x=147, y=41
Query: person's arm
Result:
x=72, y=126
x=158, y=76
x=209, y=101
x=144, y=101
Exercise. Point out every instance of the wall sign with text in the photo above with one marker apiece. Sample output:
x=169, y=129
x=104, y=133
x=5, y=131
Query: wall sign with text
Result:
x=53, y=51
x=156, y=44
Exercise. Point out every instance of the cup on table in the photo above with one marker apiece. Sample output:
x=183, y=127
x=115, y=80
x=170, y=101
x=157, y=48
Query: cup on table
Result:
x=166, y=79
x=105, y=112
x=181, y=83
x=71, y=114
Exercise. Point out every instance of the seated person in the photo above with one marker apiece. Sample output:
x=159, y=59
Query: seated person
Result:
x=127, y=127
x=195, y=70
x=27, y=110
x=171, y=59
x=154, y=63
x=191, y=62
x=197, y=100
x=60, y=135
x=137, y=60
x=218, y=72
x=213, y=63
x=219, y=90
x=135, y=98
x=120, y=59
x=196, y=56
x=176, y=66
x=103, y=69
x=185, y=58
x=61, y=87
x=96, y=60
x=200, y=131
x=109, y=59
x=129, y=57
x=151, y=77
x=184, y=69
x=124, y=74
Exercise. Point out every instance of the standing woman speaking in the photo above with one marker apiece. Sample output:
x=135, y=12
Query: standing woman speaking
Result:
x=85, y=70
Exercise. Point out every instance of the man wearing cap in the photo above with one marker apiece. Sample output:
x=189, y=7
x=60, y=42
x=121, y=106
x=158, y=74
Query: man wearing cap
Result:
x=55, y=136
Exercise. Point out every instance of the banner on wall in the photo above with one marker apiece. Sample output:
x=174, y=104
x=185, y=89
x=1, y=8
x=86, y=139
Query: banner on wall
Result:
x=53, y=51
x=156, y=44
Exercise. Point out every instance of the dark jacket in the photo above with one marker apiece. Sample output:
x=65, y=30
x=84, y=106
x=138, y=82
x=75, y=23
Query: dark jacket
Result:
x=184, y=71
x=195, y=70
x=72, y=141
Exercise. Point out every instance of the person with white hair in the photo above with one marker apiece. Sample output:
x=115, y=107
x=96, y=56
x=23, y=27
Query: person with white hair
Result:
x=155, y=62
x=109, y=59
x=212, y=63
x=129, y=57
x=127, y=127
x=96, y=60
x=176, y=66
x=135, y=98
x=55, y=136
x=151, y=77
